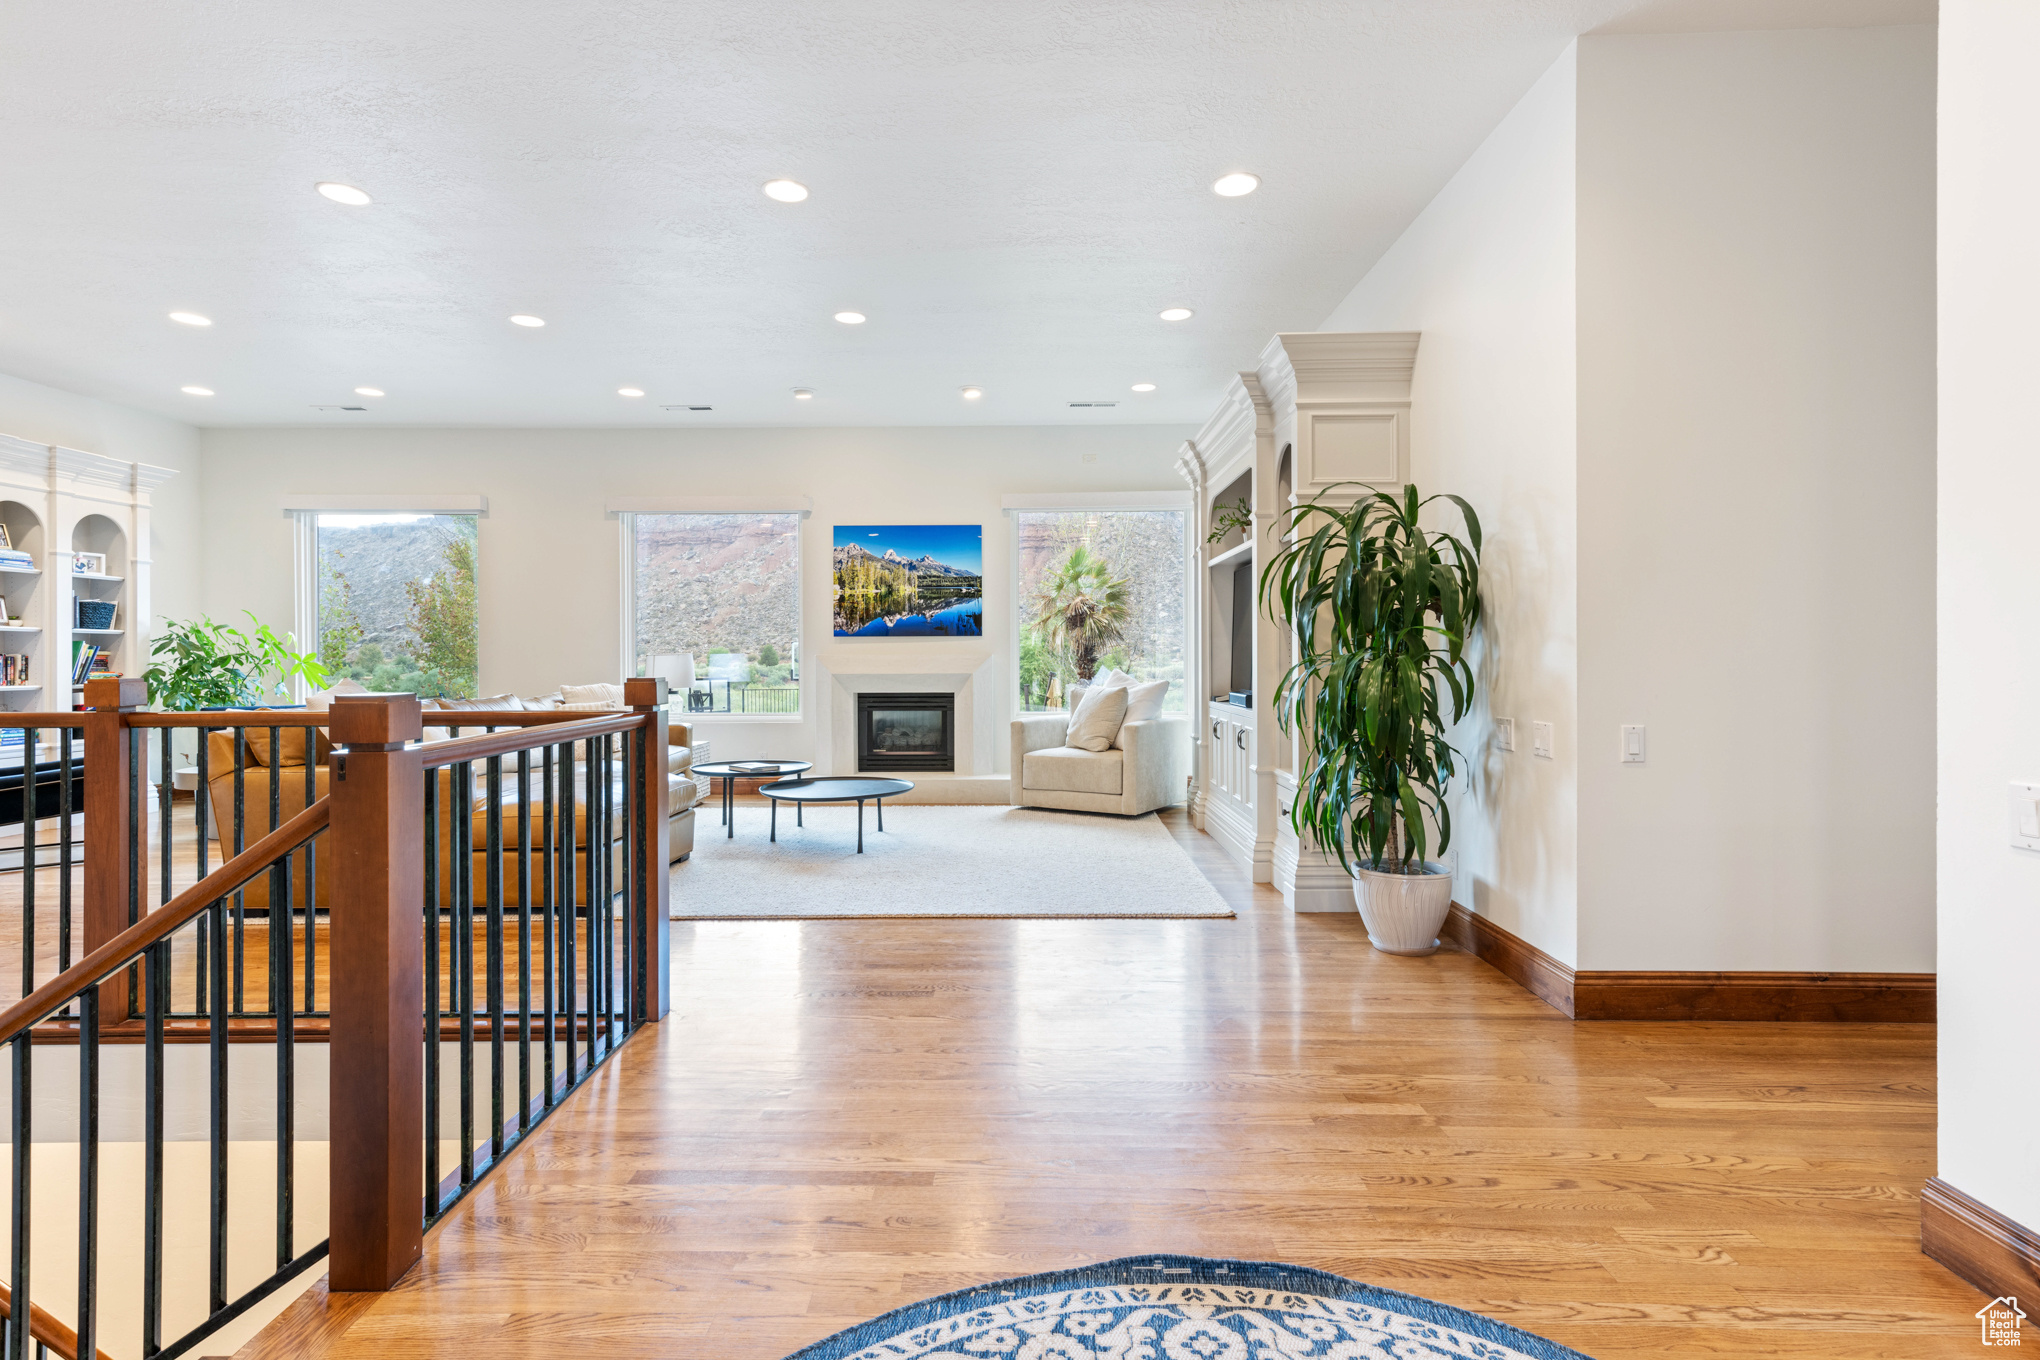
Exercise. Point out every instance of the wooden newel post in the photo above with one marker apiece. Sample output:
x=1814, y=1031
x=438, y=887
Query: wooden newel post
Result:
x=647, y=695
x=113, y=878
x=377, y=1208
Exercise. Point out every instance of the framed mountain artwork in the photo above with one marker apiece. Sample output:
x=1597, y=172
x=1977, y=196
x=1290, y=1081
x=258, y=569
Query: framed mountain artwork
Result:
x=910, y=580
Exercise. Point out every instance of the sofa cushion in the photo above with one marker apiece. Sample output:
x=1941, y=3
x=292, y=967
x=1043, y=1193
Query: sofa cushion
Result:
x=1065, y=769
x=1097, y=718
x=574, y=696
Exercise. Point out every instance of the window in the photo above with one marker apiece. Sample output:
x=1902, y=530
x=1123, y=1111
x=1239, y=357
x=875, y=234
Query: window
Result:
x=717, y=596
x=1098, y=589
x=394, y=600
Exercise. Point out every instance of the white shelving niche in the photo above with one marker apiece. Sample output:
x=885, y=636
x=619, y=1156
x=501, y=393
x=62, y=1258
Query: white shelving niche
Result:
x=56, y=501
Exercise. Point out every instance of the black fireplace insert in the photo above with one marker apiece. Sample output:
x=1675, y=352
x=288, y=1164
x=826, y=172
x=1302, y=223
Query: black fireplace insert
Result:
x=906, y=732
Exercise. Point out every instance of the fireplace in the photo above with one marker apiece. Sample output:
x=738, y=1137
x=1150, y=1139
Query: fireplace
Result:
x=906, y=732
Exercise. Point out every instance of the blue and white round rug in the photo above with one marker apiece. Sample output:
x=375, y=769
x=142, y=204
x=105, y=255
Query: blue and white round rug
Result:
x=1182, y=1308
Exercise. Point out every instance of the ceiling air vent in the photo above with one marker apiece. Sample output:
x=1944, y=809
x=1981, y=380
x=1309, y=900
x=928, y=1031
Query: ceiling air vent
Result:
x=686, y=408
x=339, y=408
x=1094, y=403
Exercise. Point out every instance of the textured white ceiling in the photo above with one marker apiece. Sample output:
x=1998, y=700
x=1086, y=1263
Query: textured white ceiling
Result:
x=1010, y=189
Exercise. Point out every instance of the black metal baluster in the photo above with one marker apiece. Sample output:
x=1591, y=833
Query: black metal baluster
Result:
x=240, y=844
x=64, y=814
x=286, y=1053
x=88, y=1172
x=17, y=1331
x=212, y=934
x=569, y=922
x=432, y=780
x=163, y=735
x=494, y=831
x=216, y=1095
x=28, y=796
x=523, y=941
x=546, y=926
x=311, y=877
x=156, y=986
x=136, y=829
x=463, y=811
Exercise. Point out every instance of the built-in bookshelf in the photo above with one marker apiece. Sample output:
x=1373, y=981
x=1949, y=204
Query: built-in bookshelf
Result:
x=62, y=509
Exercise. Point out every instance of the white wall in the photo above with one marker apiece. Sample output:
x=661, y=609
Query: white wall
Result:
x=548, y=564
x=1989, y=605
x=47, y=415
x=1487, y=274
x=1756, y=448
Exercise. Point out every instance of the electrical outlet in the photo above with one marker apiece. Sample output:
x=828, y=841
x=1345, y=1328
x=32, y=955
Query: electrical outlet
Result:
x=1505, y=733
x=1541, y=739
x=1632, y=743
x=2026, y=816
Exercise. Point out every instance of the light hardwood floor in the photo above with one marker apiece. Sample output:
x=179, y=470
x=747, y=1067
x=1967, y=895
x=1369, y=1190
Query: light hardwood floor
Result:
x=841, y=1117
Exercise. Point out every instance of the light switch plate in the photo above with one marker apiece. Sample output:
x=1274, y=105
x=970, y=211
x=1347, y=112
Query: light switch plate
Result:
x=1541, y=739
x=2026, y=816
x=1632, y=743
x=1505, y=733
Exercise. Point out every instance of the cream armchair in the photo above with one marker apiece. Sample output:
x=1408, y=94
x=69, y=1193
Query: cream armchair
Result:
x=1145, y=770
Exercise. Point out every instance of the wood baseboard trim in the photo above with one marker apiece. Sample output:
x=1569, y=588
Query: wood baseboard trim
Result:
x=1890, y=998
x=1887, y=998
x=1516, y=959
x=1978, y=1243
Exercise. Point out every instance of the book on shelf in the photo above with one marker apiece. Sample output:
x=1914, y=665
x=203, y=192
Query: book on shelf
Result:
x=14, y=668
x=86, y=660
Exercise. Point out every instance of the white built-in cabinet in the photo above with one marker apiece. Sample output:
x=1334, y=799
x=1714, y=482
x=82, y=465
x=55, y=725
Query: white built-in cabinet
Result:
x=1325, y=415
x=57, y=503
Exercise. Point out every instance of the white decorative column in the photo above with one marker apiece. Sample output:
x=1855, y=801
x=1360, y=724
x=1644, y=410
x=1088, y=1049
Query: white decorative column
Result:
x=1340, y=409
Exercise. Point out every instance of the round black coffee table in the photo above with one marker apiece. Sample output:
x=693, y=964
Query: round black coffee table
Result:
x=730, y=771
x=836, y=789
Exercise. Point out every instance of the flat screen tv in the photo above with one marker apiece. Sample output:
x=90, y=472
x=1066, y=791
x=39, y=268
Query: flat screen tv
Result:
x=1242, y=628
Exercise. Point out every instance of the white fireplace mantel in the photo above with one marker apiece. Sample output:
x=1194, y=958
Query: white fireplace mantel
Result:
x=967, y=669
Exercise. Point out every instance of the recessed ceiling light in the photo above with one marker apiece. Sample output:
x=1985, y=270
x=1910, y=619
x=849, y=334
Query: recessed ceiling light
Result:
x=196, y=391
x=803, y=394
x=971, y=393
x=785, y=190
x=345, y=193
x=630, y=391
x=851, y=318
x=1176, y=314
x=1236, y=185
x=191, y=318
x=522, y=320
x=1143, y=387
x=368, y=391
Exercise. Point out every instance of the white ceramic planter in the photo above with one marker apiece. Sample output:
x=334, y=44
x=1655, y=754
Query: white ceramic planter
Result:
x=1404, y=912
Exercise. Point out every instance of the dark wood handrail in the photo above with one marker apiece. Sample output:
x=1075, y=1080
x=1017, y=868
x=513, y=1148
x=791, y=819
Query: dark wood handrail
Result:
x=223, y=718
x=124, y=948
x=72, y=719
x=440, y=754
x=60, y=1339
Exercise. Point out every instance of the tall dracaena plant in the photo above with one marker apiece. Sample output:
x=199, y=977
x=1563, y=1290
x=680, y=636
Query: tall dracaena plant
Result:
x=1381, y=610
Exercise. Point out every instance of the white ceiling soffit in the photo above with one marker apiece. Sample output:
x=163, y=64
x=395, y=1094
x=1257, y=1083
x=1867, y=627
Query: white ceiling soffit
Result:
x=1009, y=190
x=1708, y=16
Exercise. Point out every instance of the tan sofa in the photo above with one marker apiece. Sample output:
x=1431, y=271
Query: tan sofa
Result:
x=1148, y=769
x=288, y=769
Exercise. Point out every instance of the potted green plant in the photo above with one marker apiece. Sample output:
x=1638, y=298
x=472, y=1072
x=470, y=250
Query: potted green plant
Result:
x=209, y=665
x=1381, y=610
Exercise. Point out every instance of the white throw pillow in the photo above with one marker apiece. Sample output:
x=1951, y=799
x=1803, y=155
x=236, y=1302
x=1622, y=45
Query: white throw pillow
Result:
x=609, y=696
x=1095, y=724
x=1144, y=702
x=1114, y=676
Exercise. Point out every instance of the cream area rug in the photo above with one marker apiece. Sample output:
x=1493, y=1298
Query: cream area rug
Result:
x=937, y=860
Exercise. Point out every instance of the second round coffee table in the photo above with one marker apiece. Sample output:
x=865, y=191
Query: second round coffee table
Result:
x=730, y=771
x=836, y=789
